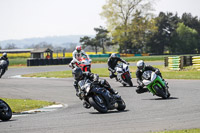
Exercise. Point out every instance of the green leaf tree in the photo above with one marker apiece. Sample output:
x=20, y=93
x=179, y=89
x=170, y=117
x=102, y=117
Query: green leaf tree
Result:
x=161, y=40
x=119, y=15
x=88, y=41
x=102, y=38
x=186, y=40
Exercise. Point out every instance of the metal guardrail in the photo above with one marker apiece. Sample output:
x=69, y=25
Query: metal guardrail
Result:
x=196, y=62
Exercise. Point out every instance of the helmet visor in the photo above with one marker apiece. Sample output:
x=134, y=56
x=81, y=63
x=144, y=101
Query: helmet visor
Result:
x=140, y=67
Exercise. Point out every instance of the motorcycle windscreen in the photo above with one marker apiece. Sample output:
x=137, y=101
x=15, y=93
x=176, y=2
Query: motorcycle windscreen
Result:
x=146, y=82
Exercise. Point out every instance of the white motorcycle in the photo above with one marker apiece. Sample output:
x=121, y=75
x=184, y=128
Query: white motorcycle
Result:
x=123, y=74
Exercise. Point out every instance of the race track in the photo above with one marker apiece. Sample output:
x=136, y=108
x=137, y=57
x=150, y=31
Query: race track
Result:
x=144, y=112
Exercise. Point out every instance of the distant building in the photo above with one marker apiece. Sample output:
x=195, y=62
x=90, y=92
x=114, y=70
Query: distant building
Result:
x=42, y=53
x=16, y=50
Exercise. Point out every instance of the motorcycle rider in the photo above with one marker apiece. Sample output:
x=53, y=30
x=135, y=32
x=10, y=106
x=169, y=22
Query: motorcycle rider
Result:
x=141, y=68
x=4, y=68
x=78, y=75
x=112, y=63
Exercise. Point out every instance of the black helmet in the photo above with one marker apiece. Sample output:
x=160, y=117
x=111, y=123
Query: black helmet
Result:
x=77, y=73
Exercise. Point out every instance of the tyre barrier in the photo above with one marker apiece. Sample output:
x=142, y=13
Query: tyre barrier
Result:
x=42, y=62
x=174, y=63
x=196, y=62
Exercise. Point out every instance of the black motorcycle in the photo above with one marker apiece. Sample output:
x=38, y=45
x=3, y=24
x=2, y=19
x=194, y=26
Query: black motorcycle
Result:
x=99, y=97
x=5, y=111
x=3, y=66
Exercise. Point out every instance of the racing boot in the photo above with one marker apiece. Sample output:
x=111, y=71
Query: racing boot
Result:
x=140, y=90
x=86, y=105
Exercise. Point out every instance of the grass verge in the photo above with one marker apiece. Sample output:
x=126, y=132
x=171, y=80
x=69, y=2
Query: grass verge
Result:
x=187, y=73
x=23, y=61
x=181, y=131
x=20, y=105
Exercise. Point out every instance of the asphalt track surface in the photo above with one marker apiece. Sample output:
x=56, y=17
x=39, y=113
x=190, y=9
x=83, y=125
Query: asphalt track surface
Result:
x=144, y=112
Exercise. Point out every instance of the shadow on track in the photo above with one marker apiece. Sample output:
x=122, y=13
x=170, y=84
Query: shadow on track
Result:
x=109, y=112
x=170, y=98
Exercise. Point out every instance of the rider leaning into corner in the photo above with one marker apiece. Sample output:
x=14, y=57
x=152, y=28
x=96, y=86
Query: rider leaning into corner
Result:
x=112, y=63
x=141, y=67
x=4, y=68
x=78, y=75
x=77, y=54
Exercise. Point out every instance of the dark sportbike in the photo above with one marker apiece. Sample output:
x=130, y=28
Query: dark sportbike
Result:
x=3, y=66
x=99, y=97
x=5, y=111
x=155, y=84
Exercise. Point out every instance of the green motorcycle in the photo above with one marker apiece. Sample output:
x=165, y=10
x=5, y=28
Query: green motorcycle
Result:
x=155, y=84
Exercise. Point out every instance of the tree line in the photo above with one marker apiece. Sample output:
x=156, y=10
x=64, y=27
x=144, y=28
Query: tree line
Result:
x=132, y=26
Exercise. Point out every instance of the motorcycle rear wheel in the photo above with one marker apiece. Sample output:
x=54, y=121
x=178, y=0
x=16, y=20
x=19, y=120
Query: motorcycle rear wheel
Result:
x=128, y=80
x=6, y=112
x=97, y=103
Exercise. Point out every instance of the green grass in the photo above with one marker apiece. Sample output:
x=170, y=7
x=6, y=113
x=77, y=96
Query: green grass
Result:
x=131, y=59
x=187, y=73
x=17, y=62
x=23, y=61
x=20, y=105
x=181, y=131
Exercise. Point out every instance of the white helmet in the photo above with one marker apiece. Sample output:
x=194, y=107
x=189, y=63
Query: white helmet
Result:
x=4, y=54
x=141, y=65
x=113, y=55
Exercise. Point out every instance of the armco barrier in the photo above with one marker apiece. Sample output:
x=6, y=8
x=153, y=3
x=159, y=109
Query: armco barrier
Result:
x=99, y=55
x=174, y=63
x=127, y=55
x=196, y=62
x=42, y=62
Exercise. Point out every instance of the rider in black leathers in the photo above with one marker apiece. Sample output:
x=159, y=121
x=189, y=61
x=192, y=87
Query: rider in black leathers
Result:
x=78, y=75
x=141, y=68
x=112, y=63
x=4, y=68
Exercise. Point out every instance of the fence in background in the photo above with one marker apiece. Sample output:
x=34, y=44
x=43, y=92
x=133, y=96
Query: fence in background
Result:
x=42, y=62
x=196, y=62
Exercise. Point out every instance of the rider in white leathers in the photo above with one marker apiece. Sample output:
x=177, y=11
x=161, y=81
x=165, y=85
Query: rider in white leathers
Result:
x=77, y=54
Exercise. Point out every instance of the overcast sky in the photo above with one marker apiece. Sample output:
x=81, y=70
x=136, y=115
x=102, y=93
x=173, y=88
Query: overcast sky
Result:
x=21, y=19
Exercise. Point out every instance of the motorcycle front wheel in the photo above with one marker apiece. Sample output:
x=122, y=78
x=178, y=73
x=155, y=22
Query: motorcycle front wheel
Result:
x=5, y=111
x=98, y=103
x=161, y=92
x=121, y=105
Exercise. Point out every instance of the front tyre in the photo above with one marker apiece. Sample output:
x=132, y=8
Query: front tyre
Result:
x=5, y=111
x=160, y=92
x=98, y=103
x=121, y=105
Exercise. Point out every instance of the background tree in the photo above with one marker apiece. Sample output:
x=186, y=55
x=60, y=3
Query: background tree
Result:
x=192, y=22
x=186, y=40
x=100, y=41
x=119, y=15
x=102, y=38
x=141, y=30
x=10, y=46
x=167, y=24
x=88, y=41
